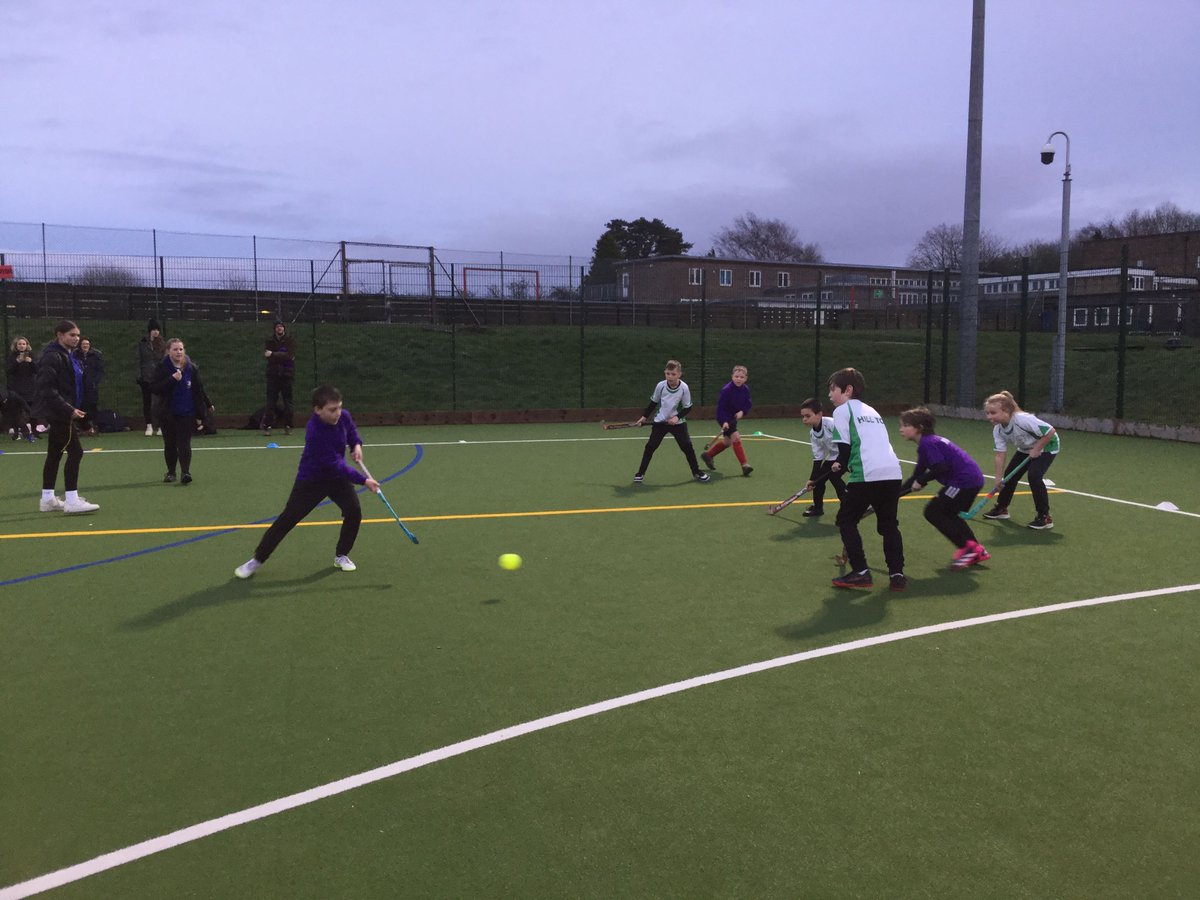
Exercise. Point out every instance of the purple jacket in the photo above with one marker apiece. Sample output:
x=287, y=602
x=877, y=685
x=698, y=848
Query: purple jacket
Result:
x=732, y=400
x=939, y=458
x=324, y=455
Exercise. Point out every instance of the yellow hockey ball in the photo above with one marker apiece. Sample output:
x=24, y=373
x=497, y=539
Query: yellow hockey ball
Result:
x=510, y=561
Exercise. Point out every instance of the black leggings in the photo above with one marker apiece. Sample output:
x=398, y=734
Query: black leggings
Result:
x=942, y=512
x=177, y=442
x=304, y=499
x=679, y=431
x=63, y=435
x=835, y=478
x=1035, y=474
x=884, y=496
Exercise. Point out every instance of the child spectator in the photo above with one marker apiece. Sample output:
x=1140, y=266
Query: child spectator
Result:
x=873, y=475
x=21, y=370
x=732, y=406
x=961, y=481
x=323, y=472
x=673, y=399
x=184, y=405
x=1034, y=440
x=824, y=454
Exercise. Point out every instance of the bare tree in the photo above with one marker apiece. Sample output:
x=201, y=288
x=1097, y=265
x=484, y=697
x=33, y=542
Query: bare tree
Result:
x=941, y=248
x=1165, y=218
x=108, y=276
x=769, y=240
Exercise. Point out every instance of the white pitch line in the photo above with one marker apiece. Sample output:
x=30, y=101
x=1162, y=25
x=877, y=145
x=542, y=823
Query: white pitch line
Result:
x=1178, y=512
x=173, y=839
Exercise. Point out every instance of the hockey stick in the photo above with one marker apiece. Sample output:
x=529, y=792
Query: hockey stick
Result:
x=983, y=501
x=412, y=537
x=609, y=426
x=778, y=507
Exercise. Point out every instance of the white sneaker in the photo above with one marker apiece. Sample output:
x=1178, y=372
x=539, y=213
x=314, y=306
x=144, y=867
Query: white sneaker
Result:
x=79, y=507
x=344, y=563
x=158, y=432
x=149, y=431
x=248, y=568
x=54, y=504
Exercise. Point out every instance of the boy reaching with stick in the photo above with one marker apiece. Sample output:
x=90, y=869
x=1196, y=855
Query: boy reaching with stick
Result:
x=323, y=472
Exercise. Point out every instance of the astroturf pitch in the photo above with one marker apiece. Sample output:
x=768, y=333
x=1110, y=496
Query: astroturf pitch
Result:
x=146, y=690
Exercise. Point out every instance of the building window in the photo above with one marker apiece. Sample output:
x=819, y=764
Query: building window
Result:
x=695, y=276
x=756, y=279
x=1129, y=314
x=624, y=284
x=1080, y=319
x=783, y=279
x=1137, y=282
x=726, y=277
x=1101, y=315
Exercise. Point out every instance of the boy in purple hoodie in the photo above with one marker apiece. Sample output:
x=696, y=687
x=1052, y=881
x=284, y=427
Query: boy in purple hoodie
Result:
x=961, y=477
x=323, y=472
x=732, y=404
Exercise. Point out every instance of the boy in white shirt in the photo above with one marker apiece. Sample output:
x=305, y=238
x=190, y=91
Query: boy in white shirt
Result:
x=673, y=400
x=824, y=453
x=873, y=478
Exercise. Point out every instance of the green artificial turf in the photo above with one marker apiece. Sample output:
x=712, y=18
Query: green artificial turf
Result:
x=1045, y=756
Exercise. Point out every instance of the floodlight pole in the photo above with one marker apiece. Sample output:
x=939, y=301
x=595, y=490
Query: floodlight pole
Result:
x=1058, y=364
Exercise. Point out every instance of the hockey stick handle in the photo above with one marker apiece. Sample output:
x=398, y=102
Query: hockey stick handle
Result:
x=779, y=507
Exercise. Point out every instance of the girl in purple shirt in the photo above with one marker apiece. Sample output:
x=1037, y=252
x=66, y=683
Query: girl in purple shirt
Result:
x=323, y=472
x=961, y=478
x=732, y=404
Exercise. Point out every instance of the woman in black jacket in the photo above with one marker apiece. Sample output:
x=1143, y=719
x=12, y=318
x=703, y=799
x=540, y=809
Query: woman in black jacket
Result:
x=22, y=372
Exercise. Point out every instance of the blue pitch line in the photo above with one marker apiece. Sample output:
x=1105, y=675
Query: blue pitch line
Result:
x=181, y=543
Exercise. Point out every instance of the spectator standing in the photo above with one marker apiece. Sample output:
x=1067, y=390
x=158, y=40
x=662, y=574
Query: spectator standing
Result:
x=280, y=351
x=21, y=369
x=93, y=371
x=150, y=351
x=60, y=389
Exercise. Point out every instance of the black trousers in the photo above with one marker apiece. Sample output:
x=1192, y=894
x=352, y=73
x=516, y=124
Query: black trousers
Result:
x=62, y=436
x=147, y=406
x=884, y=496
x=1035, y=474
x=942, y=512
x=835, y=478
x=278, y=388
x=177, y=434
x=304, y=499
x=658, y=431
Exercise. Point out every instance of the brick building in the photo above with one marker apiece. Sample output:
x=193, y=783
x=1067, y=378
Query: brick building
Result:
x=685, y=279
x=1175, y=254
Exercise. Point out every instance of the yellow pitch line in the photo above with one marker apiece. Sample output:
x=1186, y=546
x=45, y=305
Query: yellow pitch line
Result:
x=182, y=529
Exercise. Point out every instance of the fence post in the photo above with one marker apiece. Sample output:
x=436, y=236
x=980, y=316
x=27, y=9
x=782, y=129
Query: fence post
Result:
x=1122, y=330
x=582, y=354
x=928, y=334
x=817, y=338
x=945, y=335
x=703, y=331
x=1022, y=344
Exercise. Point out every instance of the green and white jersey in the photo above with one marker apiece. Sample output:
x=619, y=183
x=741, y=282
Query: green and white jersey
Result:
x=669, y=401
x=871, y=455
x=1022, y=432
x=822, y=441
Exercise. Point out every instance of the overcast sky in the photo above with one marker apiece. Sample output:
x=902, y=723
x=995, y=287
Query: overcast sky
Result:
x=525, y=125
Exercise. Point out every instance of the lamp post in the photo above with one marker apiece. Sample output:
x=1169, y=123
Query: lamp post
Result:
x=1058, y=364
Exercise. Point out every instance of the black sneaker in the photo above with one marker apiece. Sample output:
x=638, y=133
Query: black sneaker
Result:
x=997, y=512
x=813, y=511
x=707, y=460
x=637, y=479
x=1041, y=523
x=860, y=580
x=700, y=476
x=899, y=582
x=168, y=478
x=746, y=470
x=287, y=429
x=185, y=478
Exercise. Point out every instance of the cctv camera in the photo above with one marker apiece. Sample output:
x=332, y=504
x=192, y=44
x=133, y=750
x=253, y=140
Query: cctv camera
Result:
x=1047, y=154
